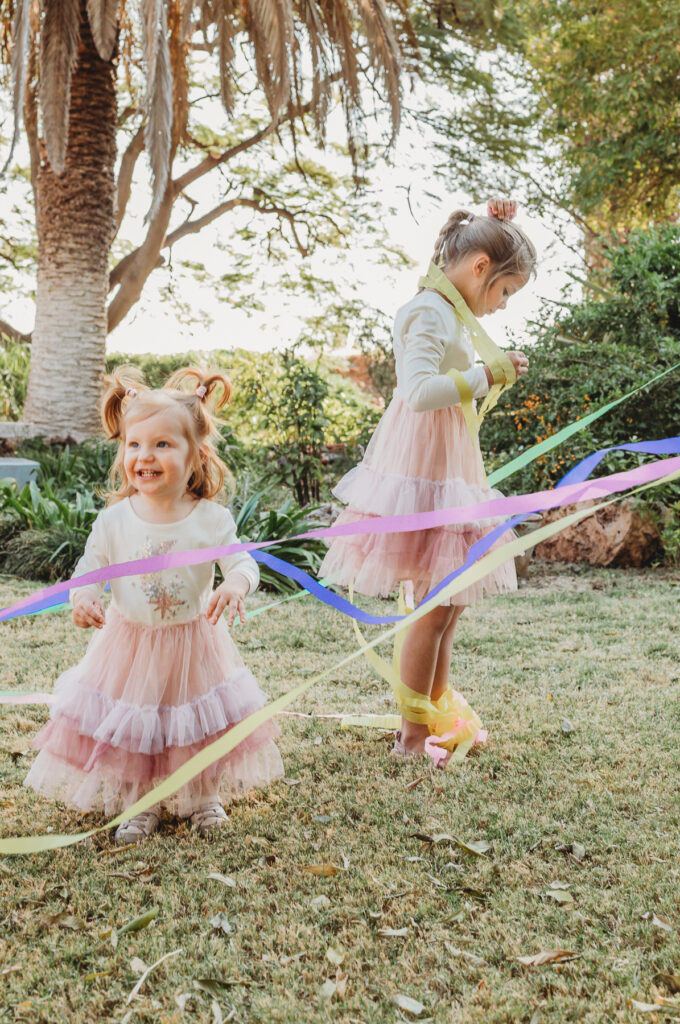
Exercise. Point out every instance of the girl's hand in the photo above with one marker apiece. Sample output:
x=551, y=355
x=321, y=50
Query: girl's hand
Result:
x=502, y=209
x=227, y=595
x=87, y=611
x=519, y=361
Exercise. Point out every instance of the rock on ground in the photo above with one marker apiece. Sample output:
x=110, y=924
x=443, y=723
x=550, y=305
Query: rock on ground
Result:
x=618, y=535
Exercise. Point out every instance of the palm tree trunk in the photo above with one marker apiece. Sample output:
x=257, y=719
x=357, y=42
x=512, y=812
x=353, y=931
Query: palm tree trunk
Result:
x=75, y=222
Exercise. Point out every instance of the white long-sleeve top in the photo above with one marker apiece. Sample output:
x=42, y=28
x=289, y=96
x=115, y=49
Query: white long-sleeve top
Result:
x=430, y=339
x=173, y=595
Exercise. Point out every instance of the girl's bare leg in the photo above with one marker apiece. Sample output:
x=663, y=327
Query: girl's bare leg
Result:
x=441, y=672
x=419, y=662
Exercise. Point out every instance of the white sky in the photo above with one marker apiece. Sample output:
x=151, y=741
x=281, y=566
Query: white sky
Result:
x=153, y=326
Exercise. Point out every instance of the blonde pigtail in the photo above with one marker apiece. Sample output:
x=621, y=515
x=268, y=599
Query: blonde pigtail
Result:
x=121, y=386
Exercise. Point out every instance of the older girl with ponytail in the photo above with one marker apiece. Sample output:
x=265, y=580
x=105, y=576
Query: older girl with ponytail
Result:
x=161, y=677
x=425, y=456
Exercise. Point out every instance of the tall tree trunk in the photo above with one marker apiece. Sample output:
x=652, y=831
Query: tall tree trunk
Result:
x=75, y=221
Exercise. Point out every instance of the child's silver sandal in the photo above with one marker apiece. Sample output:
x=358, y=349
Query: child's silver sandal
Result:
x=209, y=819
x=140, y=827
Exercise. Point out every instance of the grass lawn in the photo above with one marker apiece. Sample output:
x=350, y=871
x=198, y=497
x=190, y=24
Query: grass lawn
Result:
x=577, y=678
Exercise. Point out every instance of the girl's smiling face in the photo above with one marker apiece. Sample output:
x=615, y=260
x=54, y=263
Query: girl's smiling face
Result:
x=157, y=458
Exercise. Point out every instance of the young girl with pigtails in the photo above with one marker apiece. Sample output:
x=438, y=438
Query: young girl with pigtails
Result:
x=425, y=456
x=161, y=677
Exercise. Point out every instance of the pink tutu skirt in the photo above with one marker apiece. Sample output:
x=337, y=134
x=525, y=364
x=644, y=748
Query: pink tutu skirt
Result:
x=141, y=702
x=415, y=462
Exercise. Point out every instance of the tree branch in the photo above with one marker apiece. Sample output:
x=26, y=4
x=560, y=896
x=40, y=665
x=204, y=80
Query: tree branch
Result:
x=7, y=331
x=131, y=272
x=127, y=166
x=192, y=227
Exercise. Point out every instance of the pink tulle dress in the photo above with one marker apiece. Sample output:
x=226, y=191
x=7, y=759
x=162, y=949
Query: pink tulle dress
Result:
x=420, y=458
x=158, y=682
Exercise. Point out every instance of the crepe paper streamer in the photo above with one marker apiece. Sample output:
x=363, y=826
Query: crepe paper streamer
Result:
x=497, y=360
x=572, y=428
x=14, y=846
x=26, y=698
x=586, y=467
x=498, y=507
x=450, y=717
x=387, y=723
x=502, y=369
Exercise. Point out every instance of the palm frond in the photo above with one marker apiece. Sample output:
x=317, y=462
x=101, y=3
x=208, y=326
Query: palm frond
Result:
x=58, y=58
x=384, y=51
x=158, y=98
x=224, y=10
x=103, y=18
x=320, y=61
x=21, y=41
x=270, y=26
x=338, y=28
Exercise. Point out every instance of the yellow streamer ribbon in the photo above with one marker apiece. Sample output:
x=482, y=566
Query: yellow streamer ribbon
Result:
x=496, y=359
x=448, y=713
x=225, y=744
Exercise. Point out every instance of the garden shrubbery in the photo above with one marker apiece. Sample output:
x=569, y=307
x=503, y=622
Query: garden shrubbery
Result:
x=595, y=351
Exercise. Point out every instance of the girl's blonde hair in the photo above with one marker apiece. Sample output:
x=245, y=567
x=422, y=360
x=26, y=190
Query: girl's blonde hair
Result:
x=506, y=245
x=128, y=400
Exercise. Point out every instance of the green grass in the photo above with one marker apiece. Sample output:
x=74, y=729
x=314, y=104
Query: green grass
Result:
x=598, y=648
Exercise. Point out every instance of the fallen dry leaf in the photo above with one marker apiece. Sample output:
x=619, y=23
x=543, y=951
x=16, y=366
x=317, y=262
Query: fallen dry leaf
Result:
x=325, y=870
x=137, y=923
x=340, y=984
x=145, y=872
x=416, y=782
x=409, y=1005
x=327, y=990
x=644, y=1007
x=221, y=923
x=658, y=922
x=393, y=933
x=224, y=879
x=671, y=981
x=476, y=961
x=336, y=956
x=64, y=920
x=560, y=895
x=148, y=971
x=548, y=956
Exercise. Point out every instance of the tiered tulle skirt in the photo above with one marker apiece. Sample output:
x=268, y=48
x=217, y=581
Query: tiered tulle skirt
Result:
x=141, y=702
x=415, y=462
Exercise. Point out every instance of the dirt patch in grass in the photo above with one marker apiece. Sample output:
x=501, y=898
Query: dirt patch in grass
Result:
x=577, y=678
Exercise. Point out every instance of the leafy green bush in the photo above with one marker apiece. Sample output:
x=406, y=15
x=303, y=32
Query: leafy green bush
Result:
x=595, y=351
x=41, y=535
x=255, y=522
x=68, y=469
x=14, y=363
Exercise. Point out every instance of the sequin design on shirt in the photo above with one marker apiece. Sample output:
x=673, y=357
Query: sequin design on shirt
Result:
x=164, y=597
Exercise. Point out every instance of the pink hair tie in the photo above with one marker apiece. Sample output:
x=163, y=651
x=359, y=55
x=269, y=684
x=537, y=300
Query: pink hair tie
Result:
x=201, y=391
x=131, y=392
